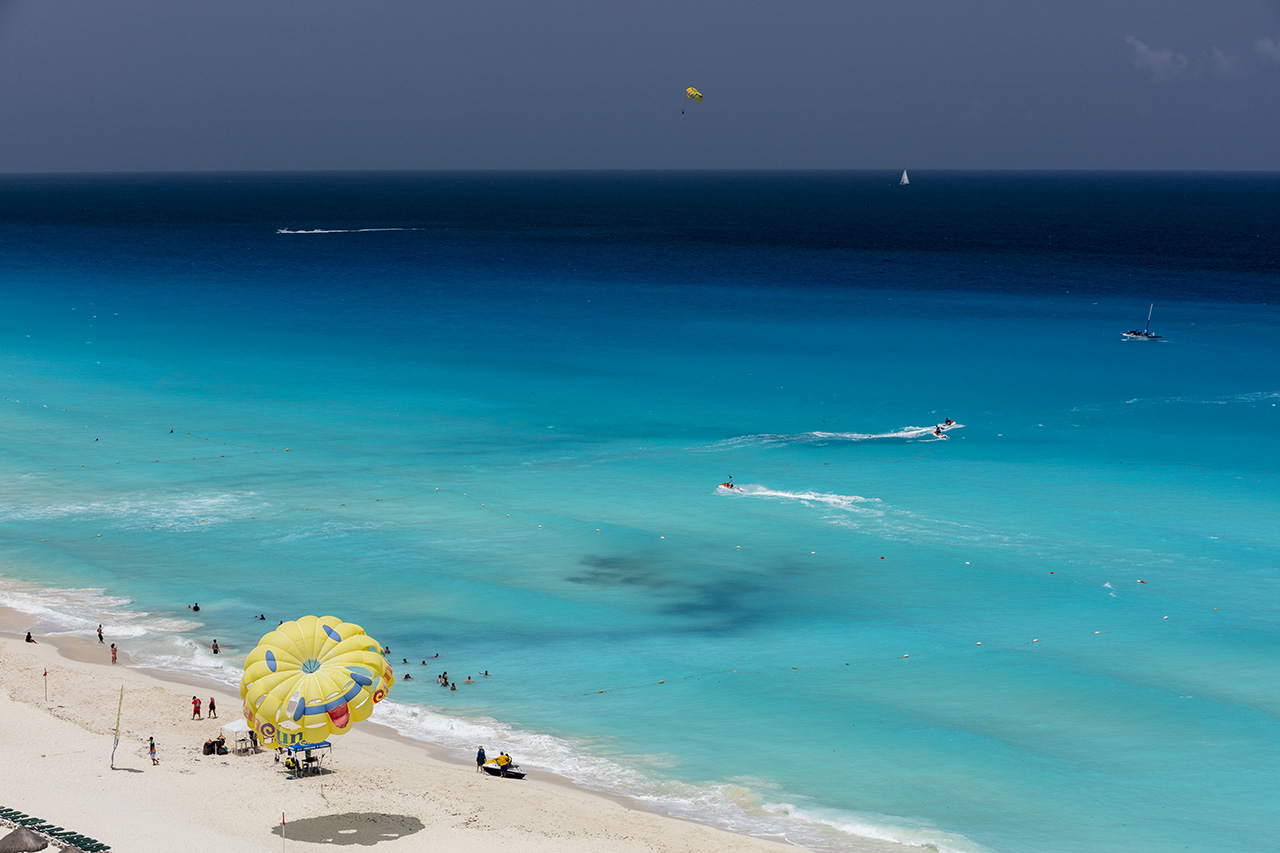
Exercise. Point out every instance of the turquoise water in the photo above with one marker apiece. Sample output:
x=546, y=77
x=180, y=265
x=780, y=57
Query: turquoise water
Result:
x=496, y=431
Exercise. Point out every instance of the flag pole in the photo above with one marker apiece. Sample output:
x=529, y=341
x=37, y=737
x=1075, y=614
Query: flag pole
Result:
x=117, y=740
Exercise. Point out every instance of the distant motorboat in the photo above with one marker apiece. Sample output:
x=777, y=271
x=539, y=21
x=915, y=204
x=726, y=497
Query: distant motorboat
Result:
x=902, y=182
x=1142, y=334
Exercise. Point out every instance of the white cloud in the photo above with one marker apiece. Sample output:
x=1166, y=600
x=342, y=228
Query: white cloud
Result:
x=1268, y=47
x=1162, y=63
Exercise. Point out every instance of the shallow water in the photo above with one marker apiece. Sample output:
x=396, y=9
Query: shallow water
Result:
x=497, y=434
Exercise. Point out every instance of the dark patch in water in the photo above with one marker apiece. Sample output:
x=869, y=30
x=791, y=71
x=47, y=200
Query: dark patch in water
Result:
x=710, y=606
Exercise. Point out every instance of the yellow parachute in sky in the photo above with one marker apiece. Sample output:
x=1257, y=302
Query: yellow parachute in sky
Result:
x=693, y=94
x=311, y=679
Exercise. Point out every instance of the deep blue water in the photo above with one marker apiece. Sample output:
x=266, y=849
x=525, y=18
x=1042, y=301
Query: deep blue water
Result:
x=485, y=415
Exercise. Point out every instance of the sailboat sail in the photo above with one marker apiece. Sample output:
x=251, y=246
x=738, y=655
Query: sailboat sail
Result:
x=1142, y=334
x=904, y=181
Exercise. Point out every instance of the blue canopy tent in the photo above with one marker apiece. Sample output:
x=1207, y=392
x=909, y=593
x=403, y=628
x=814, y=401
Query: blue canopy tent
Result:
x=311, y=757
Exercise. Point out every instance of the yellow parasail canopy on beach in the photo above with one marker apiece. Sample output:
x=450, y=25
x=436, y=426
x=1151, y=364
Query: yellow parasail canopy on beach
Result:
x=693, y=94
x=312, y=679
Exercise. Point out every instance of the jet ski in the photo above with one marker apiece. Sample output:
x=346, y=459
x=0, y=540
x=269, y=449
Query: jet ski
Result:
x=513, y=770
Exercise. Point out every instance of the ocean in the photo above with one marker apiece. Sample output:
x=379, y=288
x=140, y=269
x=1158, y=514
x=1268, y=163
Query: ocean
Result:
x=487, y=416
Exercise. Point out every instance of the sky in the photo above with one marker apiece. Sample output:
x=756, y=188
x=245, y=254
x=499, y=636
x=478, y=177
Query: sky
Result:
x=247, y=85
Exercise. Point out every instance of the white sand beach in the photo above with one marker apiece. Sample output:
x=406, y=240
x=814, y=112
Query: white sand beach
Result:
x=381, y=789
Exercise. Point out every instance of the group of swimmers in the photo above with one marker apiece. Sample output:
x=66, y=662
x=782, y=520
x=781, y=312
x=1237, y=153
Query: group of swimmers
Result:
x=443, y=678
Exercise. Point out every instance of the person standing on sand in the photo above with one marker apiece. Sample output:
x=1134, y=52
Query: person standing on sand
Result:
x=151, y=748
x=99, y=635
x=113, y=654
x=213, y=709
x=480, y=760
x=195, y=708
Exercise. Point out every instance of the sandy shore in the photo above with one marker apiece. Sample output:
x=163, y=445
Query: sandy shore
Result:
x=383, y=790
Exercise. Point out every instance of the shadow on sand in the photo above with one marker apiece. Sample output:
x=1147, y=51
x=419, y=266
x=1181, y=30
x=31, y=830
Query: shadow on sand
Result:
x=366, y=828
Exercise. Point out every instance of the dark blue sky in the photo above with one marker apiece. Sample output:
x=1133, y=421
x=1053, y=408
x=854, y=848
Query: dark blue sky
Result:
x=169, y=85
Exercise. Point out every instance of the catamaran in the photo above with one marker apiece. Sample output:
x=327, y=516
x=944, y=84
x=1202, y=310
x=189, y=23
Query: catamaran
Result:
x=1142, y=334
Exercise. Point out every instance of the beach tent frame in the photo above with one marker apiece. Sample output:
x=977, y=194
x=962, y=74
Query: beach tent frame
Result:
x=240, y=731
x=303, y=769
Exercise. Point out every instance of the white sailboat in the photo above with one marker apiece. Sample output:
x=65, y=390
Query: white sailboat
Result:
x=903, y=181
x=1142, y=334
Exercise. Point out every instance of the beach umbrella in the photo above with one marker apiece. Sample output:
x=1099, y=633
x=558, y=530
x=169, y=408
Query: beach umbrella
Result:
x=22, y=840
x=312, y=679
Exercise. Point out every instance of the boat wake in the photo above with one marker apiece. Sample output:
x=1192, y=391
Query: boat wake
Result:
x=907, y=433
x=340, y=230
x=848, y=503
x=874, y=517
